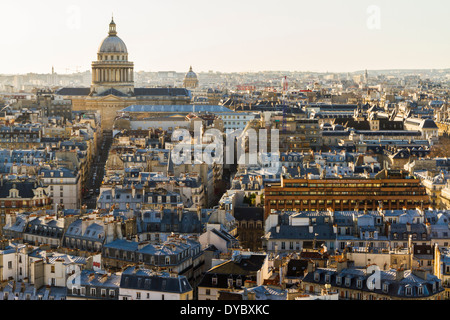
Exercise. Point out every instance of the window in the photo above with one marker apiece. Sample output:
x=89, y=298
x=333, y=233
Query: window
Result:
x=420, y=290
x=112, y=293
x=339, y=280
x=52, y=269
x=316, y=276
x=359, y=283
x=408, y=290
x=93, y=291
x=138, y=295
x=214, y=280
x=348, y=281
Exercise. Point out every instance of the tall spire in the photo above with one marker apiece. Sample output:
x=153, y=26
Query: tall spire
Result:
x=112, y=27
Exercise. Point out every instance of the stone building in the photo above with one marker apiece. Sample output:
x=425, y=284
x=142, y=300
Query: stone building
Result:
x=360, y=284
x=190, y=80
x=112, y=85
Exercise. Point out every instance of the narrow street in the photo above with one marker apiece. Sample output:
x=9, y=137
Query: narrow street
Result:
x=98, y=171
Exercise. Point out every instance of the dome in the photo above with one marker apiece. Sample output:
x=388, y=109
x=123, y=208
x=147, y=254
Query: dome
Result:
x=191, y=74
x=112, y=43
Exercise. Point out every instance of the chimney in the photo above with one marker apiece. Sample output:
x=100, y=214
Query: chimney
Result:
x=311, y=266
x=422, y=274
x=341, y=265
x=199, y=213
x=400, y=274
x=408, y=227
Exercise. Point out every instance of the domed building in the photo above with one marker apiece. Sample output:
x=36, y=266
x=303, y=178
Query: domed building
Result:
x=190, y=80
x=112, y=68
x=112, y=88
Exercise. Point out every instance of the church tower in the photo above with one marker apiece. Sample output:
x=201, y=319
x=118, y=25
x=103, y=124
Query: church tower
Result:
x=112, y=73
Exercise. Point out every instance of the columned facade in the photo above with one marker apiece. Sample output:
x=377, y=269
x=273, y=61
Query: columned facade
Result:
x=112, y=87
x=112, y=68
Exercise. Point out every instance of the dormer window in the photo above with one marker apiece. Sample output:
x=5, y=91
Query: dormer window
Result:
x=348, y=281
x=316, y=276
x=359, y=283
x=385, y=287
x=230, y=282
x=420, y=290
x=408, y=290
x=327, y=278
x=339, y=280
x=214, y=280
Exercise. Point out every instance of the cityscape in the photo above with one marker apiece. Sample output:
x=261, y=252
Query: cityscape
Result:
x=244, y=186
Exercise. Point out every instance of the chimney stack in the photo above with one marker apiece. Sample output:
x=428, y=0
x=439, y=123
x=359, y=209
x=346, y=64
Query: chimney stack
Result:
x=400, y=274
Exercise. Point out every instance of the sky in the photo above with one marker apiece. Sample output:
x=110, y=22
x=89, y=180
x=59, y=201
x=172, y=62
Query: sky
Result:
x=228, y=36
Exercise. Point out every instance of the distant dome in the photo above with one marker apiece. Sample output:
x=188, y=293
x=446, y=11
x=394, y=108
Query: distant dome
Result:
x=191, y=74
x=112, y=43
x=190, y=79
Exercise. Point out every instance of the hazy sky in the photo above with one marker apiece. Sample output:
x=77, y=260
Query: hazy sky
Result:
x=227, y=36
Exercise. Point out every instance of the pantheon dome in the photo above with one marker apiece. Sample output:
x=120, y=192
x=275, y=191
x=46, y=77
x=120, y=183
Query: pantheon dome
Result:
x=112, y=72
x=112, y=43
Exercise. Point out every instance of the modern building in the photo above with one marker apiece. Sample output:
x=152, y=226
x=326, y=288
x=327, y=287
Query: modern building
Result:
x=392, y=189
